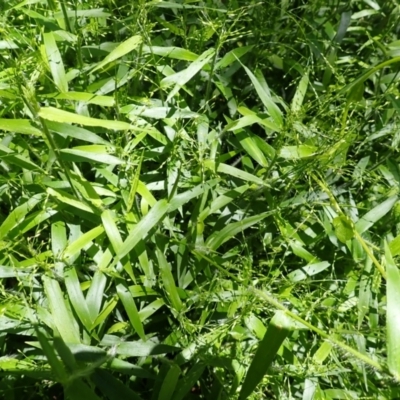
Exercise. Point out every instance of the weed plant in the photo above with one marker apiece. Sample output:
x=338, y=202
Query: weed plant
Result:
x=199, y=199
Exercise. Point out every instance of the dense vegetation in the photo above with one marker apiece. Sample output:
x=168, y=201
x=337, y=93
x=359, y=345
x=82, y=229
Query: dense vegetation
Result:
x=199, y=199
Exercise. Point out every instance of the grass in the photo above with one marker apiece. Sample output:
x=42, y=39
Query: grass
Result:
x=199, y=200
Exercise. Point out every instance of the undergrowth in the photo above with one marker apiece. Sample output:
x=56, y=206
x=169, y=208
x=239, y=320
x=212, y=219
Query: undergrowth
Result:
x=199, y=199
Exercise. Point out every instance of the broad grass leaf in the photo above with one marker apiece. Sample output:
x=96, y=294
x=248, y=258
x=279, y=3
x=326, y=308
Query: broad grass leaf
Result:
x=278, y=329
x=223, y=200
x=231, y=230
x=308, y=270
x=66, y=198
x=250, y=146
x=143, y=227
x=265, y=96
x=89, y=13
x=105, y=312
x=232, y=56
x=55, y=62
x=89, y=98
x=62, y=317
x=171, y=52
x=392, y=314
x=112, y=387
x=369, y=219
x=23, y=126
x=301, y=91
x=76, y=297
x=82, y=242
x=344, y=228
x=79, y=390
x=94, y=296
x=19, y=214
x=182, y=77
x=12, y=157
x=365, y=291
x=134, y=186
x=250, y=120
x=56, y=115
x=124, y=48
x=188, y=381
x=296, y=152
x=111, y=230
x=179, y=200
x=49, y=351
x=94, y=153
x=168, y=281
x=58, y=238
x=235, y=172
x=67, y=130
x=169, y=383
x=138, y=348
x=131, y=309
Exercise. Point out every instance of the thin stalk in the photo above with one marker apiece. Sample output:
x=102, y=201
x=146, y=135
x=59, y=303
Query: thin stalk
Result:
x=362, y=357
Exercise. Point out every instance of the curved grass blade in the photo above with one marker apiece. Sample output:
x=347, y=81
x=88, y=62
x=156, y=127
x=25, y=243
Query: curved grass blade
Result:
x=278, y=329
x=131, y=310
x=62, y=317
x=393, y=314
x=123, y=49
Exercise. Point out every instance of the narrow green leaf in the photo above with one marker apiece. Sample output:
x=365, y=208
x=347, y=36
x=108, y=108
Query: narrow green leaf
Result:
x=121, y=50
x=83, y=241
x=56, y=115
x=131, y=310
x=393, y=314
x=94, y=153
x=369, y=219
x=113, y=388
x=76, y=297
x=168, y=281
x=218, y=238
x=300, y=93
x=296, y=152
x=182, y=77
x=169, y=384
x=55, y=61
x=23, y=126
x=265, y=96
x=95, y=294
x=62, y=318
x=278, y=329
x=56, y=365
x=67, y=130
x=13, y=157
x=19, y=214
x=344, y=228
x=143, y=227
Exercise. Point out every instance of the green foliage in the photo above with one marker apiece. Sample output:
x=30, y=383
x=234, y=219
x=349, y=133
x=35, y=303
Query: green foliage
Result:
x=199, y=199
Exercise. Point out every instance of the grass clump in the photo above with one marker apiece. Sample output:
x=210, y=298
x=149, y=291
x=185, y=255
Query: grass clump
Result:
x=199, y=200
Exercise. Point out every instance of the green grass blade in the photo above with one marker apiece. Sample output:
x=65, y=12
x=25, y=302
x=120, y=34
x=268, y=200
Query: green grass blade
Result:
x=369, y=219
x=168, y=281
x=218, y=238
x=57, y=115
x=56, y=365
x=131, y=309
x=18, y=215
x=62, y=317
x=278, y=329
x=76, y=297
x=141, y=229
x=55, y=62
x=393, y=314
x=124, y=48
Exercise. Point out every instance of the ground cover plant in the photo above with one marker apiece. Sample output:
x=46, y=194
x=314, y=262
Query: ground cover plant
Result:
x=199, y=199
